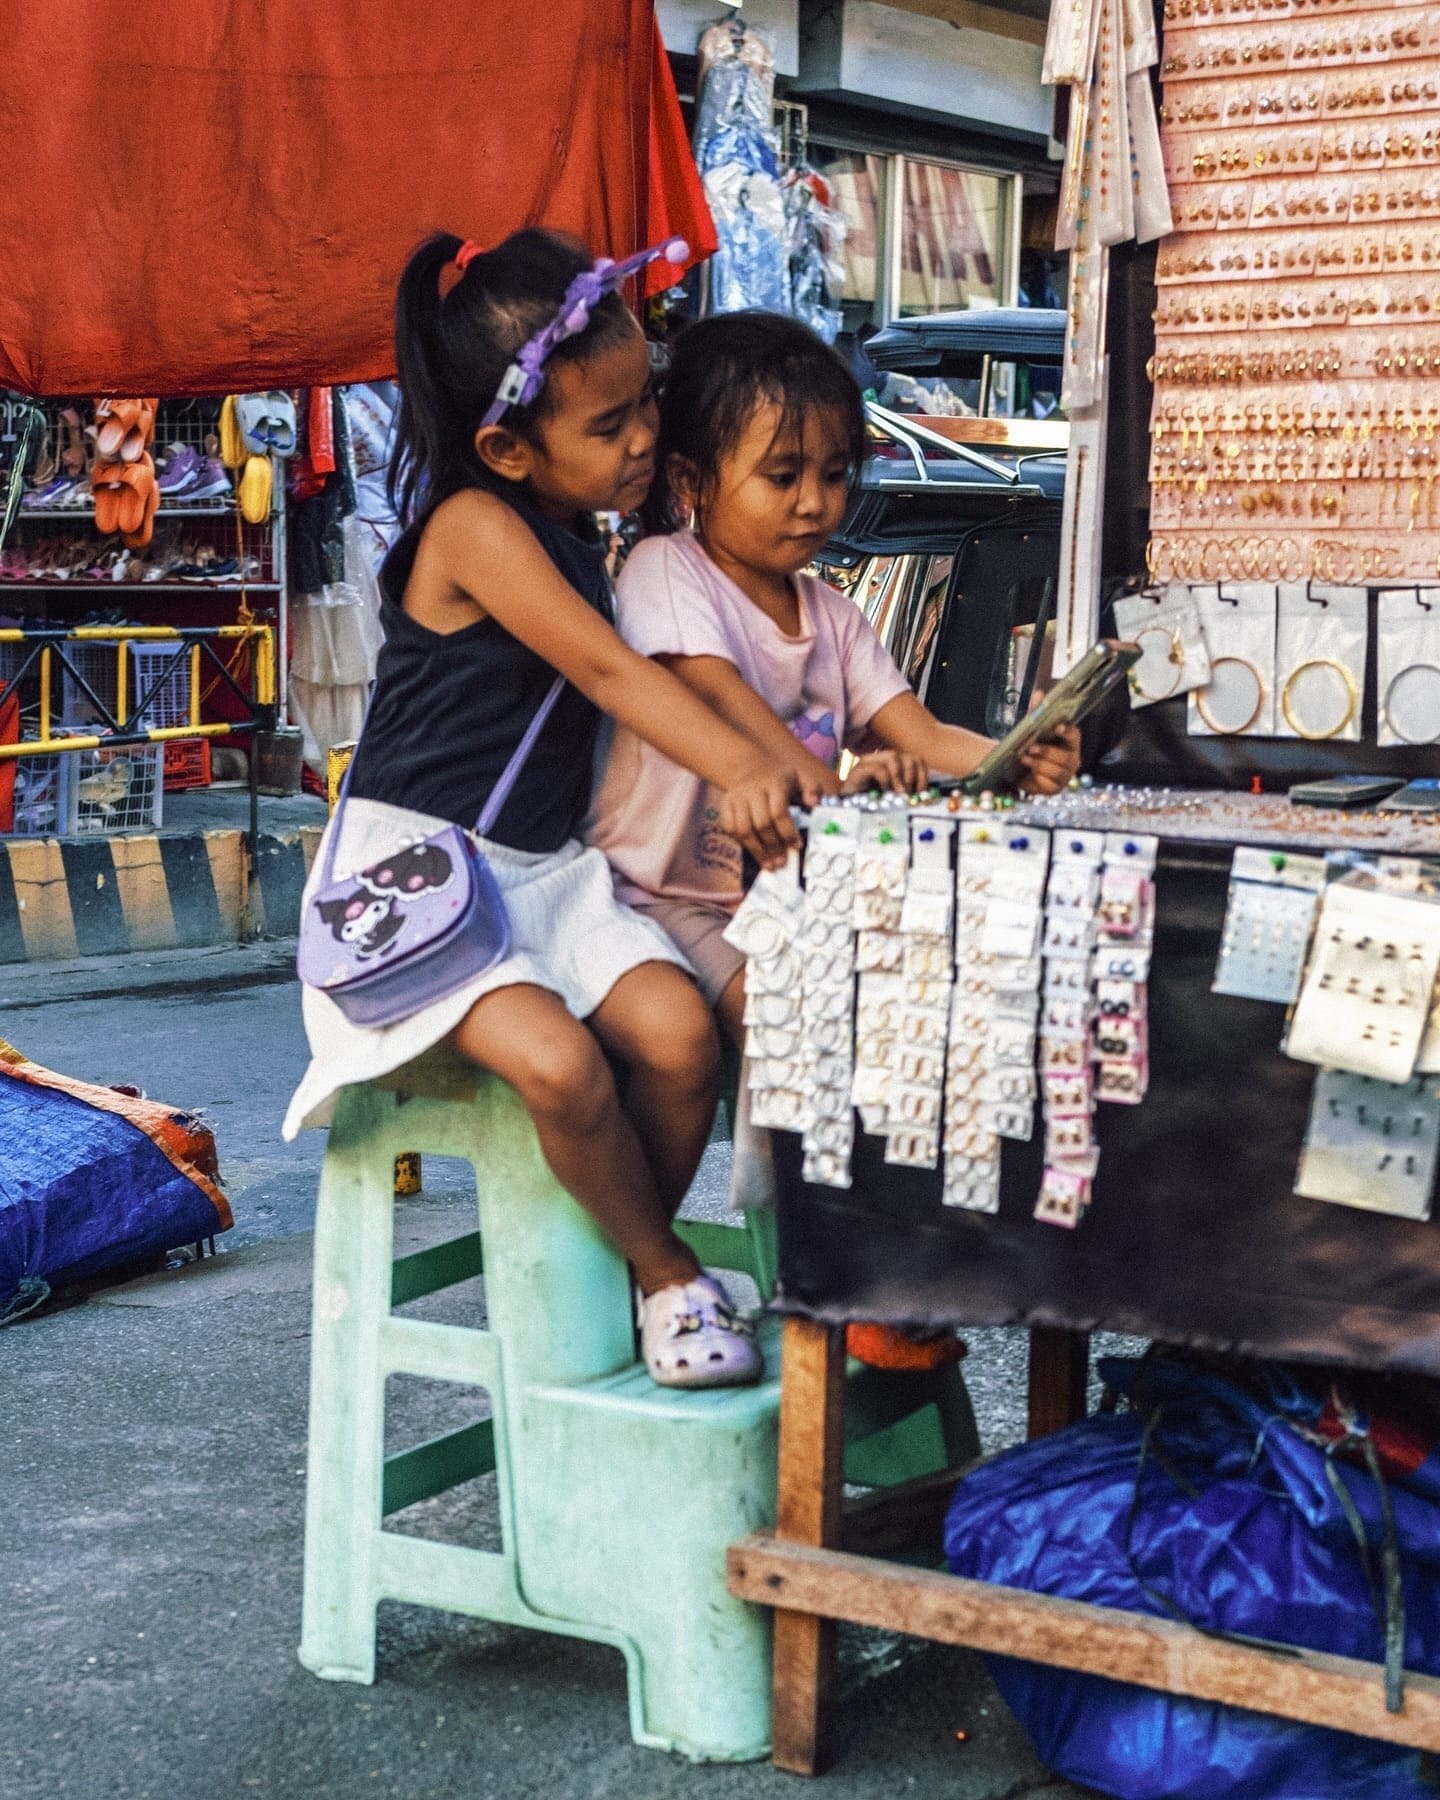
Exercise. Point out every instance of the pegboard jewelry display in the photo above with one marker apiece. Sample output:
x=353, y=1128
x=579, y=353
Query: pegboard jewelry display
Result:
x=1297, y=359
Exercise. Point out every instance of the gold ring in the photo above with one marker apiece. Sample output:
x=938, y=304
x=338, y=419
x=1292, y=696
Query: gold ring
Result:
x=1352, y=697
x=1231, y=730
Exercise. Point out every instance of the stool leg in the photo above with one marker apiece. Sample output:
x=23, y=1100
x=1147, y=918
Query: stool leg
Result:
x=353, y=1234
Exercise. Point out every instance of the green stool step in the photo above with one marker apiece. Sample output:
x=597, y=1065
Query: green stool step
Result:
x=898, y=1426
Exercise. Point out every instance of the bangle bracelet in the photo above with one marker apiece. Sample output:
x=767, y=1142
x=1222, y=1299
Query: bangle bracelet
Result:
x=1174, y=656
x=1352, y=698
x=1429, y=734
x=1219, y=662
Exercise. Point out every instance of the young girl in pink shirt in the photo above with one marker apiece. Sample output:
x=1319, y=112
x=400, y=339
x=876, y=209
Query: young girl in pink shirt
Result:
x=762, y=431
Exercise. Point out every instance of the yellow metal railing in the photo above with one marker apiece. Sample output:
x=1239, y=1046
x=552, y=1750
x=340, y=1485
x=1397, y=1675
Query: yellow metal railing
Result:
x=249, y=644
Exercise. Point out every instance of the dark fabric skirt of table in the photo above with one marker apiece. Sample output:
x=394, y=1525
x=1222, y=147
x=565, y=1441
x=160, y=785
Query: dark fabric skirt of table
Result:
x=1194, y=1236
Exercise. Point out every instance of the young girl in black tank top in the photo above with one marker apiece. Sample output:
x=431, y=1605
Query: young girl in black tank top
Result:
x=505, y=447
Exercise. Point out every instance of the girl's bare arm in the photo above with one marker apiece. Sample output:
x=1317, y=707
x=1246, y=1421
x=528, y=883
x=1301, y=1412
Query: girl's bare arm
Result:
x=904, y=724
x=523, y=591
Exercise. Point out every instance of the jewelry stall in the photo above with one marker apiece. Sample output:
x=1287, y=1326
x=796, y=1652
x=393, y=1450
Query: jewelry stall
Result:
x=1161, y=1055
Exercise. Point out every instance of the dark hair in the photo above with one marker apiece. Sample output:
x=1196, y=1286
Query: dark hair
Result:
x=721, y=370
x=452, y=347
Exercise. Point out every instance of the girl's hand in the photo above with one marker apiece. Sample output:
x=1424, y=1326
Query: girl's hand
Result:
x=1052, y=765
x=894, y=771
x=757, y=811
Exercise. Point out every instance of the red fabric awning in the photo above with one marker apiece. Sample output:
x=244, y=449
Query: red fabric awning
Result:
x=676, y=202
x=204, y=197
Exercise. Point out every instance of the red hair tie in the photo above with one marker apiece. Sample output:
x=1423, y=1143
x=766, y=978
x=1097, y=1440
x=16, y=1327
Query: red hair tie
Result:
x=452, y=271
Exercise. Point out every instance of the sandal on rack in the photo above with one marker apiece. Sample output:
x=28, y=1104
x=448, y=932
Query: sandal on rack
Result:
x=139, y=537
x=691, y=1337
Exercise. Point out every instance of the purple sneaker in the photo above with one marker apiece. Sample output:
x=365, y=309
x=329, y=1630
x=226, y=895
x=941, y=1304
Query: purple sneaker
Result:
x=211, y=482
x=179, y=473
x=52, y=494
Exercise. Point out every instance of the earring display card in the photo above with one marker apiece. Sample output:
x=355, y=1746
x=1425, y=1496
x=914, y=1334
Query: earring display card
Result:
x=1272, y=907
x=767, y=928
x=1239, y=625
x=1372, y=1144
x=1173, y=654
x=1320, y=648
x=1367, y=991
x=1408, y=666
x=827, y=1011
x=917, y=1070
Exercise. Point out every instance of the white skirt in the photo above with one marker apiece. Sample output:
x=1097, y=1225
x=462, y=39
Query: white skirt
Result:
x=568, y=934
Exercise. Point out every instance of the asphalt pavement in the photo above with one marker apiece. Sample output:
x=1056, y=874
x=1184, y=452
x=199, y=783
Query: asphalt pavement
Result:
x=153, y=1498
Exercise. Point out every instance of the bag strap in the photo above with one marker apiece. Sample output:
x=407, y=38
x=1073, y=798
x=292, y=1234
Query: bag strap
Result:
x=510, y=774
x=499, y=794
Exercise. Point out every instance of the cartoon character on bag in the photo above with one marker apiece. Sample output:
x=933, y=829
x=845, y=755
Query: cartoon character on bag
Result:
x=369, y=918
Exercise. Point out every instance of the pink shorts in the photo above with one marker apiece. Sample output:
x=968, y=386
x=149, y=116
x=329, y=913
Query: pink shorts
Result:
x=696, y=931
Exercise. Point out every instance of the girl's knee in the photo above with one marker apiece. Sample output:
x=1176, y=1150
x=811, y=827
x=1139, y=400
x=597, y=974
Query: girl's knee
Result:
x=683, y=1045
x=564, y=1077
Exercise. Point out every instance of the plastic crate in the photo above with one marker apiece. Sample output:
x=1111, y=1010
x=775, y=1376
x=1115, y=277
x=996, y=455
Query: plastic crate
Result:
x=117, y=790
x=187, y=763
x=170, y=704
x=44, y=789
x=95, y=662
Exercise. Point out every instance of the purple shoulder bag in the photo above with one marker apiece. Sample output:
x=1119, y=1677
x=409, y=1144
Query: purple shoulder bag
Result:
x=414, y=927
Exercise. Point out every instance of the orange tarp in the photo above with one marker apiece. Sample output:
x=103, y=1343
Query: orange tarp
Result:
x=202, y=196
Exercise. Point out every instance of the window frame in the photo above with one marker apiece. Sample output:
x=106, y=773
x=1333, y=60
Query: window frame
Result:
x=890, y=210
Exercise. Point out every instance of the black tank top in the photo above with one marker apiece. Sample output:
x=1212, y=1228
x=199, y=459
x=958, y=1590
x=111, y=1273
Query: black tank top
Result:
x=449, y=708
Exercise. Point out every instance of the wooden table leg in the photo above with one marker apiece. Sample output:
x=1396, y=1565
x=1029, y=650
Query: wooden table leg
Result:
x=812, y=1462
x=1059, y=1369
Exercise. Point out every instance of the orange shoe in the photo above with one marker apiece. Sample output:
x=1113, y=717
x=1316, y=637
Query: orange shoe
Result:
x=136, y=480
x=139, y=539
x=106, y=482
x=892, y=1347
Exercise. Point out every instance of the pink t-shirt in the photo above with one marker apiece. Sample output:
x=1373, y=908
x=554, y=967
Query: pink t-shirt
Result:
x=657, y=823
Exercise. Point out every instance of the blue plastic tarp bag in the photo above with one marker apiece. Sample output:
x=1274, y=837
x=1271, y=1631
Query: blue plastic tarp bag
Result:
x=1238, y=1517
x=92, y=1179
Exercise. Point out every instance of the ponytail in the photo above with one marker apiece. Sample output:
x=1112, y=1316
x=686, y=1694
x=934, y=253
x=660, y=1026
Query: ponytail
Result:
x=456, y=329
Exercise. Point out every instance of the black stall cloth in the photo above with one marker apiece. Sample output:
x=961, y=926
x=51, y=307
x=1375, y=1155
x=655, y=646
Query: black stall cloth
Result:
x=318, y=523
x=1194, y=1235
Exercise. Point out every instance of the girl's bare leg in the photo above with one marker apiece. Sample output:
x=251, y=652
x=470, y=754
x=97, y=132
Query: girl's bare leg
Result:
x=528, y=1038
x=656, y=1022
x=730, y=1009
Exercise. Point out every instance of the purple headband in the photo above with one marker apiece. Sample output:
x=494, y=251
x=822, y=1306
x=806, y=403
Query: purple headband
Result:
x=524, y=378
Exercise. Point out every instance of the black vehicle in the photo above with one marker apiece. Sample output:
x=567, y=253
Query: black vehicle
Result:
x=951, y=546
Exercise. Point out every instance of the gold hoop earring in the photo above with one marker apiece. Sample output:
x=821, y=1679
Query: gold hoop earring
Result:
x=1218, y=662
x=1352, y=698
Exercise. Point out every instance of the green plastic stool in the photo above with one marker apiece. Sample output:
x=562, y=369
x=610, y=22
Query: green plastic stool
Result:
x=617, y=1499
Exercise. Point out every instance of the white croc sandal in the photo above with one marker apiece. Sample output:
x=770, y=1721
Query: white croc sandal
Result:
x=691, y=1337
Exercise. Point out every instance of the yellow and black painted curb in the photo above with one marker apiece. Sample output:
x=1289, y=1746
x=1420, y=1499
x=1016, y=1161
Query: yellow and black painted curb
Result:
x=99, y=896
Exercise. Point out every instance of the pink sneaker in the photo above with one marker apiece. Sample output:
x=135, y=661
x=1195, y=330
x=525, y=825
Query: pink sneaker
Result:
x=691, y=1337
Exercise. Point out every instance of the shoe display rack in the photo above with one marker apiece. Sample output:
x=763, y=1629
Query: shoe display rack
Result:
x=58, y=568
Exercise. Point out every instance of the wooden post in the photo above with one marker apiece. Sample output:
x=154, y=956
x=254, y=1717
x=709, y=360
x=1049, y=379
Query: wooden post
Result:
x=812, y=1461
x=1059, y=1370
